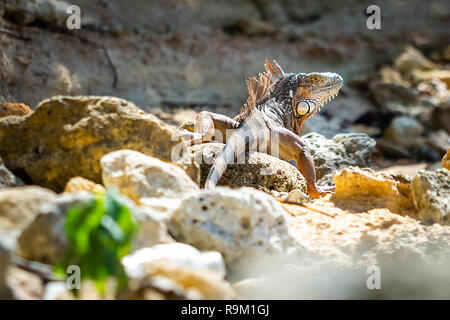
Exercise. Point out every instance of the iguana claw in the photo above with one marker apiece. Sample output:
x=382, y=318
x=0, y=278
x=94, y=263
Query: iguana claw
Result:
x=320, y=191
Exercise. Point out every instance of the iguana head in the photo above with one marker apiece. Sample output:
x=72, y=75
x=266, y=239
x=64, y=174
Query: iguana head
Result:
x=313, y=91
x=305, y=93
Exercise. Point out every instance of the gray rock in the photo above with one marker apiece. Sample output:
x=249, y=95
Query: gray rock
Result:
x=431, y=193
x=7, y=178
x=240, y=224
x=405, y=131
x=260, y=171
x=330, y=155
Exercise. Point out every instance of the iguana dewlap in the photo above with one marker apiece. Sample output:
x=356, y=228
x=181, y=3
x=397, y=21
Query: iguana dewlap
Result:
x=271, y=120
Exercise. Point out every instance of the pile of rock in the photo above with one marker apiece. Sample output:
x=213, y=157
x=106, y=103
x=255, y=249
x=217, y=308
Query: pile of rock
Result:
x=415, y=92
x=197, y=244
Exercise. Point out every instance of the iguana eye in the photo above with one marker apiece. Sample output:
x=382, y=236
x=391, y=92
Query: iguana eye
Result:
x=302, y=108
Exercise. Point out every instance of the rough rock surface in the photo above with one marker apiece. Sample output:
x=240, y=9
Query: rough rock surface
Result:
x=20, y=205
x=260, y=171
x=330, y=155
x=139, y=176
x=7, y=178
x=241, y=223
x=431, y=193
x=365, y=189
x=74, y=133
x=77, y=184
x=350, y=236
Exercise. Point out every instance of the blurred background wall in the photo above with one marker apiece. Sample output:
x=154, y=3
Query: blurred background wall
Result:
x=176, y=57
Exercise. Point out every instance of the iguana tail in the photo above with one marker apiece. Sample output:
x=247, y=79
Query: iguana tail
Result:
x=234, y=148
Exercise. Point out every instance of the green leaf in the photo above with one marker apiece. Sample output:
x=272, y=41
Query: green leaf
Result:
x=100, y=234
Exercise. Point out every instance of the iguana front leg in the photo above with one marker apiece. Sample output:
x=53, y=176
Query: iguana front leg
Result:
x=205, y=125
x=291, y=147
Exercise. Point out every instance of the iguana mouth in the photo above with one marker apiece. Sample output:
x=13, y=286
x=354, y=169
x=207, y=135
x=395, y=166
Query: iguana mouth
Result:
x=325, y=101
x=335, y=87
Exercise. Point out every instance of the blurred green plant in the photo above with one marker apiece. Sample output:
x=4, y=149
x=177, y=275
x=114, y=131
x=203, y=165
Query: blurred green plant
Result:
x=100, y=234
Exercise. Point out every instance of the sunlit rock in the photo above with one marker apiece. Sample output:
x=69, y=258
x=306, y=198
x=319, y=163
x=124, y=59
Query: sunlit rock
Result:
x=431, y=192
x=240, y=224
x=258, y=170
x=176, y=271
x=139, y=176
x=77, y=184
x=66, y=137
x=365, y=189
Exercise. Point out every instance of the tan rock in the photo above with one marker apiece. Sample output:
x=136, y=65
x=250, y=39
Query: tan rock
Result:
x=446, y=160
x=240, y=223
x=442, y=75
x=412, y=59
x=260, y=171
x=20, y=205
x=77, y=184
x=139, y=176
x=364, y=189
x=14, y=109
x=67, y=136
x=431, y=193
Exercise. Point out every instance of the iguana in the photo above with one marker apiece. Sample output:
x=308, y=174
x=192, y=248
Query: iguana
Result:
x=277, y=107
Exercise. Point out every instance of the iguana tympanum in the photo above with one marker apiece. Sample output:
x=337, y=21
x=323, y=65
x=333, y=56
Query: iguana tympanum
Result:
x=272, y=118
